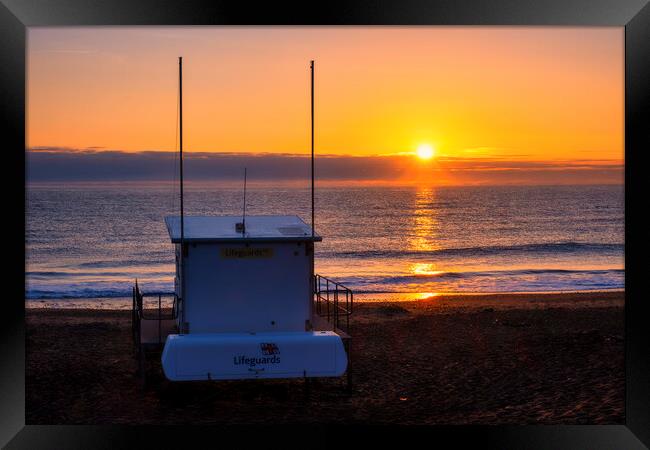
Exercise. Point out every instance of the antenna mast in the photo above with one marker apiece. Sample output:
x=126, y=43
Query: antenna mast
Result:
x=312, y=148
x=180, y=90
x=243, y=222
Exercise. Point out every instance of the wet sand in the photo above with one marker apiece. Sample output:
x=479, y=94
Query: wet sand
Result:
x=470, y=359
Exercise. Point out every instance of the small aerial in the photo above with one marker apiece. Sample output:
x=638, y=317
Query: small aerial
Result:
x=246, y=302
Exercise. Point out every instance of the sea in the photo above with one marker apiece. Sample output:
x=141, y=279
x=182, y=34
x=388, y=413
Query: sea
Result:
x=92, y=241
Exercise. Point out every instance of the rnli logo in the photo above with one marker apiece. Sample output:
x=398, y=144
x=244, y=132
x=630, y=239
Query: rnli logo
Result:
x=270, y=352
x=269, y=349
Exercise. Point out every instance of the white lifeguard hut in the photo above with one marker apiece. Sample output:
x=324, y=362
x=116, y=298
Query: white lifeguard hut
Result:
x=246, y=302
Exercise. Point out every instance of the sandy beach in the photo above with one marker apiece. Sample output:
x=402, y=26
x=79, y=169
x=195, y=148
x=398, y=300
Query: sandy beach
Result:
x=470, y=359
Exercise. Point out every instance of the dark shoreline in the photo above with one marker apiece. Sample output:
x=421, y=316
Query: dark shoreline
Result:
x=124, y=303
x=509, y=359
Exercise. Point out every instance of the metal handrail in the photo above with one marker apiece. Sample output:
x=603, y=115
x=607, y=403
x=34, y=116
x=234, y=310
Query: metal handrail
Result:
x=138, y=314
x=335, y=298
x=138, y=303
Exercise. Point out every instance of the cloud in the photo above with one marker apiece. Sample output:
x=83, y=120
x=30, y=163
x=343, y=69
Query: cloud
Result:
x=50, y=164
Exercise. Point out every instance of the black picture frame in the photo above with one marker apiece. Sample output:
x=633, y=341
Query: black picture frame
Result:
x=634, y=15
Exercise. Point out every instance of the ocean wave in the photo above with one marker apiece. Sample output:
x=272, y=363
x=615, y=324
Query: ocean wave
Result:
x=90, y=293
x=478, y=281
x=126, y=262
x=74, y=274
x=524, y=281
x=554, y=248
x=432, y=277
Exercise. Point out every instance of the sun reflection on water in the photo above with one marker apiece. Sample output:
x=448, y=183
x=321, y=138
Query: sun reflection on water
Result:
x=423, y=235
x=425, y=269
x=426, y=295
x=425, y=226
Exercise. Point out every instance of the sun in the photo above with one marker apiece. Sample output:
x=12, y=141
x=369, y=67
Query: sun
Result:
x=425, y=151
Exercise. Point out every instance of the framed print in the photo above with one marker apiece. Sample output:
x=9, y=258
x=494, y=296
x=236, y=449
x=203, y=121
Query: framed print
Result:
x=420, y=217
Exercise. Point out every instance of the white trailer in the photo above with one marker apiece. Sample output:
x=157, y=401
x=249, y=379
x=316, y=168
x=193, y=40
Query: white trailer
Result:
x=252, y=306
x=248, y=306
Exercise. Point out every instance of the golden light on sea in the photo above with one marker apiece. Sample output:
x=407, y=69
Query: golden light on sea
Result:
x=425, y=269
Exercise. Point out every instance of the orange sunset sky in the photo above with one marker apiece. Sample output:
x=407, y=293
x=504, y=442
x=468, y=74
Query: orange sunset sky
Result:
x=476, y=95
